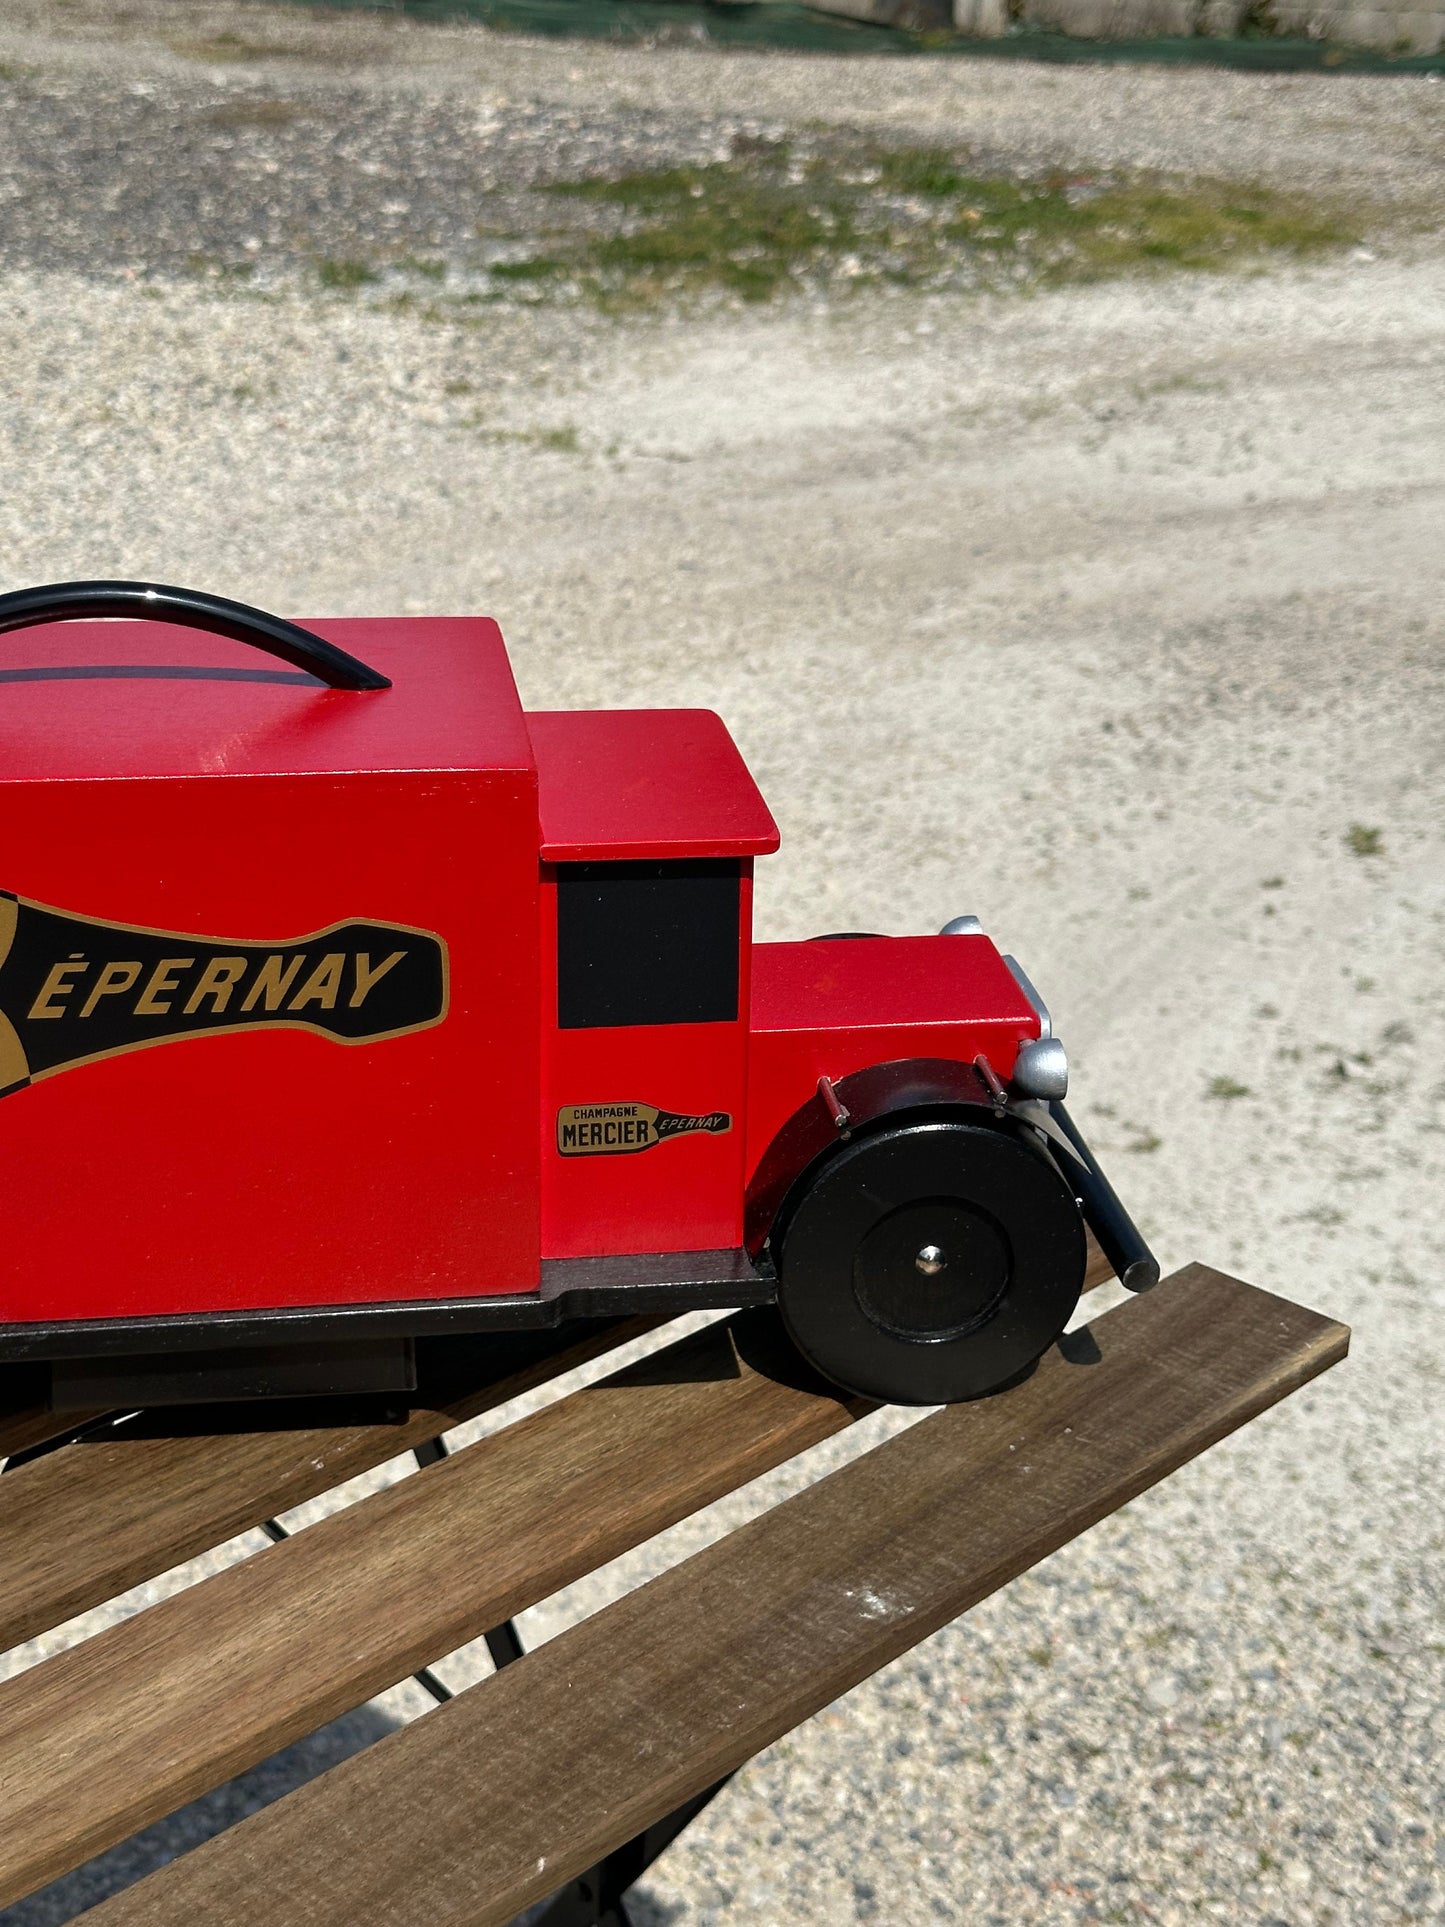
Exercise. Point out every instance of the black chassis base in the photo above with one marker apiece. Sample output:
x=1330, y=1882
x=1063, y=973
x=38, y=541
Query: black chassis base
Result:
x=186, y=1358
x=666, y=1283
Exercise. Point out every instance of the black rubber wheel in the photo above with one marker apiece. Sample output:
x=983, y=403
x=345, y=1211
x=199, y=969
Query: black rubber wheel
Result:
x=931, y=1261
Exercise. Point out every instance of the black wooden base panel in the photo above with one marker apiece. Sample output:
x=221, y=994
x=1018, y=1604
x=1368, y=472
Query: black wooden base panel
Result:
x=664, y=1283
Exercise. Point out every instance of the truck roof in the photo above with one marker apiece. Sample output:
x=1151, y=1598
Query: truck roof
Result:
x=84, y=700
x=629, y=783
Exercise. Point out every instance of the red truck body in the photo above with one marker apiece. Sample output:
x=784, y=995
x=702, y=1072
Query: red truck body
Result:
x=313, y=997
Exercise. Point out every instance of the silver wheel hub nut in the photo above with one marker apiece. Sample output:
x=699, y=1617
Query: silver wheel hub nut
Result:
x=931, y=1260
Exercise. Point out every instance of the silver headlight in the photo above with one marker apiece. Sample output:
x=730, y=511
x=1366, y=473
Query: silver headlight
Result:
x=1042, y=1069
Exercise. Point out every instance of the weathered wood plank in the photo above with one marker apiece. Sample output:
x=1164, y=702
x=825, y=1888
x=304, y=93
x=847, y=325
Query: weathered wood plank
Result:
x=484, y=1806
x=87, y=1522
x=100, y=1740
x=1097, y=1269
x=33, y=1425
x=25, y=1419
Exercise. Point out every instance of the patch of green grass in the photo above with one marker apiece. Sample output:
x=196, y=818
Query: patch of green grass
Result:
x=1364, y=842
x=1087, y=232
x=558, y=441
x=746, y=227
x=537, y=268
x=920, y=170
x=1223, y=1086
x=844, y=214
x=347, y=276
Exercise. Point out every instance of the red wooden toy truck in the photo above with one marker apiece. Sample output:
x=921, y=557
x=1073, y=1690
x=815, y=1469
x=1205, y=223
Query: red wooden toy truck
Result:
x=342, y=1003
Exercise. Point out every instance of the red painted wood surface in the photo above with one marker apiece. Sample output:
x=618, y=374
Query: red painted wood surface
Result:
x=685, y=1195
x=825, y=1009
x=258, y=1166
x=626, y=783
x=452, y=706
x=276, y=1166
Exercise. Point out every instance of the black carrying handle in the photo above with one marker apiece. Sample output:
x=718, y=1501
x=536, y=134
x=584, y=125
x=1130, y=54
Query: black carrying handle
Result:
x=190, y=609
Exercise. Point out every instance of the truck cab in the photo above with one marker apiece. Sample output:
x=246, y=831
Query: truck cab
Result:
x=656, y=998
x=649, y=824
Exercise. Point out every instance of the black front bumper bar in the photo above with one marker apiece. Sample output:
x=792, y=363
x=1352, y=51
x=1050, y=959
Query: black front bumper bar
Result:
x=1119, y=1237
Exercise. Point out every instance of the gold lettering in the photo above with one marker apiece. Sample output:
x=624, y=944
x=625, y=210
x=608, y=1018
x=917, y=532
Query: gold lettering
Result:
x=111, y=981
x=366, y=977
x=55, y=985
x=322, y=986
x=218, y=980
x=161, y=980
x=272, y=982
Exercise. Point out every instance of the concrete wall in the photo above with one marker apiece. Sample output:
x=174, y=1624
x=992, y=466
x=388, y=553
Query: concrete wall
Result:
x=1385, y=26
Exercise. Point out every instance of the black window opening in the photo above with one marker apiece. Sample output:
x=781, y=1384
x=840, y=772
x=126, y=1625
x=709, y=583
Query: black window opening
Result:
x=647, y=943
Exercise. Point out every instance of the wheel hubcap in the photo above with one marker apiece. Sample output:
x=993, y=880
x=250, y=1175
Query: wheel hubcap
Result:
x=934, y=1269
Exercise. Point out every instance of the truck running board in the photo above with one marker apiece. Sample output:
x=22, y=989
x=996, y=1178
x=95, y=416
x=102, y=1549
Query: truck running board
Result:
x=665, y=1283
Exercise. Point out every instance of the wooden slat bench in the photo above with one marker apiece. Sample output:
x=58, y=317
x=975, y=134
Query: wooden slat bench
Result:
x=523, y=1783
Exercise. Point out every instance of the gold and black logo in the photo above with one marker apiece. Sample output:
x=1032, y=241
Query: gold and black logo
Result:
x=607, y=1130
x=73, y=989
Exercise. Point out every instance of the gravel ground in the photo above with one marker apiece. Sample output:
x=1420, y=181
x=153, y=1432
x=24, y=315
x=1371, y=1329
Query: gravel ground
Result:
x=1105, y=614
x=1332, y=134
